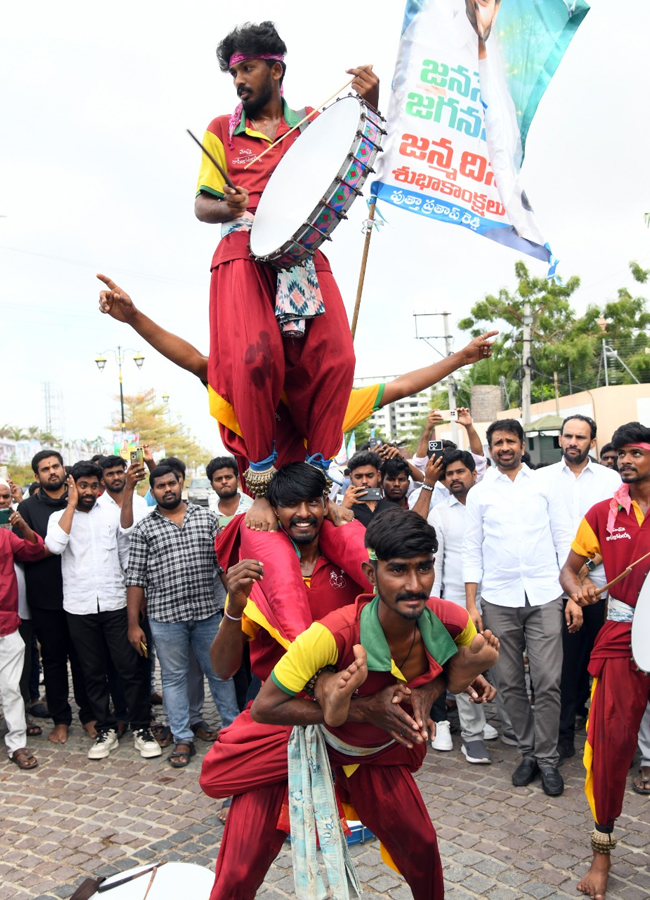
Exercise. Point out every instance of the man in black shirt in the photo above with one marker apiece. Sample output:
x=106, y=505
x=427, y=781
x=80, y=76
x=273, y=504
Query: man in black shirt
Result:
x=45, y=599
x=364, y=476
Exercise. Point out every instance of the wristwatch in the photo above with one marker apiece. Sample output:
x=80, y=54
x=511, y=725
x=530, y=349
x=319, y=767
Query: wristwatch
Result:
x=590, y=565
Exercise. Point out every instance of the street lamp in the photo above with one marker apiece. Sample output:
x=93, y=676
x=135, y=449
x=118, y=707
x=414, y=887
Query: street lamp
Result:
x=138, y=359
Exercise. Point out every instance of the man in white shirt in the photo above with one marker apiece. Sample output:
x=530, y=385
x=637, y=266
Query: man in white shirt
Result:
x=581, y=483
x=94, y=554
x=119, y=489
x=458, y=474
x=518, y=534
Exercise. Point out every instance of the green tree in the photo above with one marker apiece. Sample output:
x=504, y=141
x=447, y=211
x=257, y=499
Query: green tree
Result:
x=146, y=416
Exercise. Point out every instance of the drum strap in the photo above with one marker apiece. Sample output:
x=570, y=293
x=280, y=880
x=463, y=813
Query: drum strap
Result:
x=301, y=113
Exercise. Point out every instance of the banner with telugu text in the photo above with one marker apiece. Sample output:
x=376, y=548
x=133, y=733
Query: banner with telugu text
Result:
x=468, y=79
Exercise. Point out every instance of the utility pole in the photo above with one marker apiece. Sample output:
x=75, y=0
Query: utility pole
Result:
x=605, y=363
x=556, y=388
x=451, y=383
x=526, y=355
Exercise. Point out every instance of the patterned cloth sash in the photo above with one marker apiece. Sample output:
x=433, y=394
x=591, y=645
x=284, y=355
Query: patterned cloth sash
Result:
x=297, y=294
x=312, y=804
x=617, y=611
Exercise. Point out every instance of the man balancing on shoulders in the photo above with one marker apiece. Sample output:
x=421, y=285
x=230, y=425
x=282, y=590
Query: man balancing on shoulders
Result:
x=400, y=636
x=290, y=442
x=263, y=343
x=618, y=530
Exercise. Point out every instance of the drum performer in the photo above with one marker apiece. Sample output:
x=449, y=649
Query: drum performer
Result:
x=268, y=344
x=619, y=531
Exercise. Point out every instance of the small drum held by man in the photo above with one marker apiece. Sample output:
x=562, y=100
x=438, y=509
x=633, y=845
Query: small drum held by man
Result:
x=268, y=351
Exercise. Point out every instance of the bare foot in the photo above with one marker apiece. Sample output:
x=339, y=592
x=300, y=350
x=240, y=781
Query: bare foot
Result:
x=335, y=694
x=59, y=734
x=594, y=884
x=471, y=661
x=90, y=729
x=222, y=815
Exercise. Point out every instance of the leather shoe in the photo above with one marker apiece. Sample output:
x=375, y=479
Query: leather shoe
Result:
x=566, y=749
x=525, y=772
x=552, y=781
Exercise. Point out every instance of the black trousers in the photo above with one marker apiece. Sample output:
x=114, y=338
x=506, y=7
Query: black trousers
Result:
x=26, y=632
x=99, y=637
x=574, y=686
x=51, y=627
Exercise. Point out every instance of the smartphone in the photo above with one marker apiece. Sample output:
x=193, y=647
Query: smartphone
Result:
x=4, y=516
x=450, y=415
x=137, y=456
x=371, y=494
x=435, y=449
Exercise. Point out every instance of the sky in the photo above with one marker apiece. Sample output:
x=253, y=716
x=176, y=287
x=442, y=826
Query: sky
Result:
x=97, y=174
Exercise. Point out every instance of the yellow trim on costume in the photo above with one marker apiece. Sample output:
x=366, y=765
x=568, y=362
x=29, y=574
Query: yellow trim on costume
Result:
x=467, y=635
x=588, y=762
x=210, y=178
x=362, y=403
x=640, y=518
x=585, y=542
x=350, y=770
x=387, y=858
x=253, y=613
x=311, y=651
x=223, y=412
x=351, y=815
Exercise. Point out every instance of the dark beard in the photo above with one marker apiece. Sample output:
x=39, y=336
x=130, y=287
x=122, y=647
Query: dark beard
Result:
x=55, y=486
x=170, y=504
x=224, y=496
x=253, y=107
x=577, y=460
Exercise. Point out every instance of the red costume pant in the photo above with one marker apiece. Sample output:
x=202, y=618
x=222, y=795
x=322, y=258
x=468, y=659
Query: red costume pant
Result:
x=250, y=761
x=251, y=364
x=619, y=700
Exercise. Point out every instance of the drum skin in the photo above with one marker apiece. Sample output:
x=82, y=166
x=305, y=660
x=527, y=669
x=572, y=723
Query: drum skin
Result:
x=315, y=183
x=173, y=881
x=641, y=628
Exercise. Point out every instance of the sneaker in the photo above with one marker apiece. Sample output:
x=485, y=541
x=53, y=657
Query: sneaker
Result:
x=490, y=733
x=442, y=740
x=103, y=744
x=509, y=738
x=476, y=752
x=145, y=742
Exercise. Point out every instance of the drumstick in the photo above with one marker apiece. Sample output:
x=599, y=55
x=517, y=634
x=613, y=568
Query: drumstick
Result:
x=298, y=124
x=153, y=875
x=229, y=181
x=622, y=575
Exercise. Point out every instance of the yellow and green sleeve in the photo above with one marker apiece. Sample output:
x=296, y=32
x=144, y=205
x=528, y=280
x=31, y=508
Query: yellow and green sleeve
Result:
x=310, y=652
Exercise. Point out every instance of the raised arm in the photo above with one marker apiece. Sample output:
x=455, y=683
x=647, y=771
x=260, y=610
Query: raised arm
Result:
x=116, y=303
x=227, y=650
x=465, y=419
x=421, y=379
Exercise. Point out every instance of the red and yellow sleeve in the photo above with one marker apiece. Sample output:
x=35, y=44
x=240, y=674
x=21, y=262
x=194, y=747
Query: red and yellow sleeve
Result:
x=456, y=620
x=363, y=402
x=311, y=651
x=210, y=181
x=586, y=542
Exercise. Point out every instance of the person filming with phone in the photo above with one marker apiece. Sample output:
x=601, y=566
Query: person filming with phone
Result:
x=364, y=496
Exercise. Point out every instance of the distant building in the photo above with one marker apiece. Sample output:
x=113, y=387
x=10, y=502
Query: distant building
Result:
x=402, y=418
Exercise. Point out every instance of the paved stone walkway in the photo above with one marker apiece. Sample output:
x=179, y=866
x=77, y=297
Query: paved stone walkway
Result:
x=73, y=817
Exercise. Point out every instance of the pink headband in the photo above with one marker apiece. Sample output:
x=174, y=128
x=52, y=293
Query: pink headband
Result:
x=235, y=118
x=240, y=57
x=640, y=445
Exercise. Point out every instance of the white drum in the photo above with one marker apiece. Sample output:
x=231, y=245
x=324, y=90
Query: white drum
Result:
x=173, y=881
x=315, y=183
x=641, y=628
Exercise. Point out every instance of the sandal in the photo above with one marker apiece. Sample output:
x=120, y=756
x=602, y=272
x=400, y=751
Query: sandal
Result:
x=33, y=730
x=162, y=734
x=641, y=782
x=23, y=758
x=180, y=758
x=204, y=731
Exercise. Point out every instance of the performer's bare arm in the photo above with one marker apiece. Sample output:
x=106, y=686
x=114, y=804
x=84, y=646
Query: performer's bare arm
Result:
x=582, y=593
x=116, y=303
x=215, y=210
x=421, y=379
x=227, y=650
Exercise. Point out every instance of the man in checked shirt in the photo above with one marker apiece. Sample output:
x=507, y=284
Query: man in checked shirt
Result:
x=171, y=574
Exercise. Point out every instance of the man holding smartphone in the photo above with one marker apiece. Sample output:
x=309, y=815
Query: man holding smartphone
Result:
x=364, y=496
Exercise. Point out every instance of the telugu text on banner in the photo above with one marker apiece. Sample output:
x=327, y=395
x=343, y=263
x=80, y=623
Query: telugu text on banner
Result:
x=468, y=79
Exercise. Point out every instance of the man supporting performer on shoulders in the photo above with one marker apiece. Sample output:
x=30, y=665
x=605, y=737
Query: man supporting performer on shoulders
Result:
x=400, y=638
x=263, y=344
x=618, y=530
